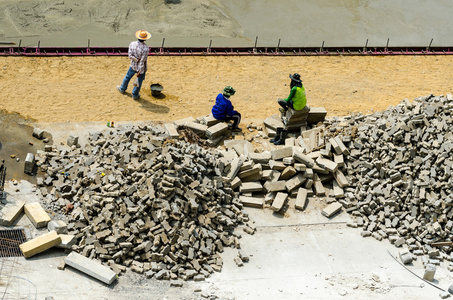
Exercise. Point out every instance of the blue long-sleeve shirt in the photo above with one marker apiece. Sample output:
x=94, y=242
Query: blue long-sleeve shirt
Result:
x=222, y=107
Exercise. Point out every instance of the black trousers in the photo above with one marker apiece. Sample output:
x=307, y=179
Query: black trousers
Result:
x=285, y=104
x=236, y=118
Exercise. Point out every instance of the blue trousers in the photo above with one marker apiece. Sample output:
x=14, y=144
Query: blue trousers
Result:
x=127, y=78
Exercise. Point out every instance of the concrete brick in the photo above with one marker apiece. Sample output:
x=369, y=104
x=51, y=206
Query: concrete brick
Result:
x=341, y=179
x=73, y=140
x=36, y=214
x=251, y=201
x=430, y=270
x=91, y=268
x=58, y=225
x=273, y=123
x=275, y=186
x=250, y=187
x=302, y=158
x=216, y=130
x=183, y=122
x=40, y=244
x=209, y=120
x=295, y=182
x=10, y=212
x=319, y=188
x=287, y=173
x=325, y=163
x=67, y=240
x=236, y=182
x=171, y=130
x=235, y=166
x=301, y=199
x=29, y=163
x=38, y=133
x=277, y=165
x=281, y=153
x=279, y=201
x=197, y=128
x=331, y=209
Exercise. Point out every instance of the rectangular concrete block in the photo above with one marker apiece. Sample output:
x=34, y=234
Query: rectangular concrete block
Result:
x=301, y=199
x=91, y=267
x=275, y=186
x=197, y=127
x=40, y=244
x=251, y=201
x=171, y=130
x=430, y=271
x=58, y=225
x=331, y=209
x=183, y=122
x=273, y=123
x=279, y=201
x=250, y=187
x=325, y=163
x=10, y=212
x=295, y=182
x=36, y=214
x=29, y=163
x=341, y=179
x=317, y=185
x=302, y=158
x=216, y=130
x=281, y=153
x=209, y=120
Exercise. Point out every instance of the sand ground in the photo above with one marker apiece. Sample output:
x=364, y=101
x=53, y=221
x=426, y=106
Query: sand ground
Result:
x=79, y=89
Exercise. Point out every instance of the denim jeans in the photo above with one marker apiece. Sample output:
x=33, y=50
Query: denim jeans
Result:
x=127, y=78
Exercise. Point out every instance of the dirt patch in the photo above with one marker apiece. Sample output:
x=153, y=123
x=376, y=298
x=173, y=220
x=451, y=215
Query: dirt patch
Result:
x=80, y=89
x=16, y=140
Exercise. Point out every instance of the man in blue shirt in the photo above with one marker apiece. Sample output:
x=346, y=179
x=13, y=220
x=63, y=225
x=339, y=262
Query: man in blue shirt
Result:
x=223, y=109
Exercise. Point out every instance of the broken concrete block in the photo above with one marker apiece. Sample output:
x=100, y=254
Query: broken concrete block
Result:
x=279, y=201
x=67, y=240
x=73, y=140
x=10, y=212
x=331, y=209
x=316, y=115
x=295, y=182
x=58, y=225
x=209, y=120
x=251, y=201
x=171, y=130
x=36, y=214
x=301, y=199
x=40, y=244
x=405, y=256
x=430, y=270
x=29, y=164
x=91, y=267
x=325, y=163
x=38, y=133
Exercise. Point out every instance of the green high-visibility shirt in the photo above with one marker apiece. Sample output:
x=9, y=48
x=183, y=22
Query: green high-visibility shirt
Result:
x=297, y=95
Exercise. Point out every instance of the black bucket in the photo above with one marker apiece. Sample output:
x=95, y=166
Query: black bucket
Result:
x=156, y=89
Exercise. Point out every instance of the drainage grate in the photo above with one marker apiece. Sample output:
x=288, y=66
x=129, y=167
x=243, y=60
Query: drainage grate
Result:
x=10, y=239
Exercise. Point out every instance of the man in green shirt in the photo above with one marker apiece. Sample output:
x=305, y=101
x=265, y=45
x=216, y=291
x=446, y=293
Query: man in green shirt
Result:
x=297, y=99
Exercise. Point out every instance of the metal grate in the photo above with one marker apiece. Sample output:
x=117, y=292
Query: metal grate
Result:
x=10, y=239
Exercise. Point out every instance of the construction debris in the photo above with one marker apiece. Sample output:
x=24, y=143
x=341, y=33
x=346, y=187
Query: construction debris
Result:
x=90, y=267
x=40, y=244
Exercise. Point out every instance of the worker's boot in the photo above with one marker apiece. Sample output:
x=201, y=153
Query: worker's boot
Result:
x=281, y=140
x=277, y=135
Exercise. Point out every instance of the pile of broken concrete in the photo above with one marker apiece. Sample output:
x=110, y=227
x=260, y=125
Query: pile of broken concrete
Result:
x=138, y=197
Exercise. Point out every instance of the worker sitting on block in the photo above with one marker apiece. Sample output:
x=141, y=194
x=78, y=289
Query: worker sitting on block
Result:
x=223, y=109
x=296, y=100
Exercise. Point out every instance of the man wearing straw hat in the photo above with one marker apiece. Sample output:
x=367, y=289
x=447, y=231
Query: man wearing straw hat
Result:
x=138, y=53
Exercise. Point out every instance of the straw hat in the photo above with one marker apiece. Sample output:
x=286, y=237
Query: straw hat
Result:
x=143, y=35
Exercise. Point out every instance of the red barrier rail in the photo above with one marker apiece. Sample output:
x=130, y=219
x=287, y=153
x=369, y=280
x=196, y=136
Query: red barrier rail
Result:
x=225, y=51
